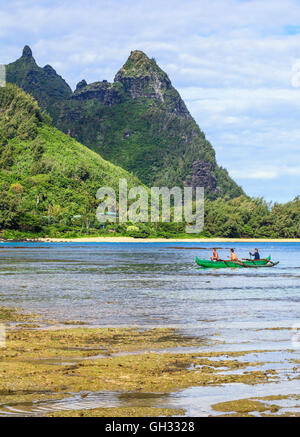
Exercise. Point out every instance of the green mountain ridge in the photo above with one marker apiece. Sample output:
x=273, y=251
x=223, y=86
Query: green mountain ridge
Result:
x=48, y=185
x=138, y=122
x=46, y=177
x=44, y=84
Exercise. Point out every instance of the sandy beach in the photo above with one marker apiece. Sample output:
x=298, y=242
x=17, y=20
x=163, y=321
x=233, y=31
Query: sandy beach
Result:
x=164, y=240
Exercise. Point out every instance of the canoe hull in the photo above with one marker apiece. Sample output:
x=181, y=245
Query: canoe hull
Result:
x=230, y=264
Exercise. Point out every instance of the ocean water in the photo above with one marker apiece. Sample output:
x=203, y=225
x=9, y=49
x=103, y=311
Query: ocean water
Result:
x=159, y=284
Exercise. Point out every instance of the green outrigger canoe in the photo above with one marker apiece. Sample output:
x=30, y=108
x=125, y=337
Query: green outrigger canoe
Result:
x=233, y=264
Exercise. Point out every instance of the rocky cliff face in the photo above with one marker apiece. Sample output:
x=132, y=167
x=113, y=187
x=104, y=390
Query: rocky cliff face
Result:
x=103, y=92
x=141, y=77
x=139, y=122
x=202, y=176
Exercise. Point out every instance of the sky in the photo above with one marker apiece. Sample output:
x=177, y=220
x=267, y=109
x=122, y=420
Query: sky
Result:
x=236, y=63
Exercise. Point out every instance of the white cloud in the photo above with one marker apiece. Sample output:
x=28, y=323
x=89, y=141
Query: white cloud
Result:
x=265, y=172
x=255, y=174
x=235, y=63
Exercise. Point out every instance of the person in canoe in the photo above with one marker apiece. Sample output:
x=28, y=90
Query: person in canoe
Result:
x=233, y=255
x=215, y=255
x=255, y=254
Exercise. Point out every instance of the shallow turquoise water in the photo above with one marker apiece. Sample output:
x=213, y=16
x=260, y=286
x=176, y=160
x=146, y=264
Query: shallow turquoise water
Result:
x=150, y=284
x=159, y=284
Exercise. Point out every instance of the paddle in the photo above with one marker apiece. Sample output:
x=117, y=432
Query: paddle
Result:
x=247, y=259
x=224, y=261
x=239, y=263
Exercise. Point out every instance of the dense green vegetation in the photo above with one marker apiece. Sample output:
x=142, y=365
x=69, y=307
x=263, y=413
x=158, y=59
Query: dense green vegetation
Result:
x=138, y=122
x=48, y=181
x=241, y=218
x=48, y=185
x=245, y=217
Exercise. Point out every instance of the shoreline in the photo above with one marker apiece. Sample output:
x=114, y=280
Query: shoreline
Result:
x=153, y=240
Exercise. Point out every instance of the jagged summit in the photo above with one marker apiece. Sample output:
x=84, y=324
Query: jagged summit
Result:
x=27, y=52
x=142, y=77
x=42, y=83
x=138, y=65
x=138, y=55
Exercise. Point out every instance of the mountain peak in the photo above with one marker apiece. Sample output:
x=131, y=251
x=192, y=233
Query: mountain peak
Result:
x=44, y=84
x=142, y=77
x=138, y=65
x=157, y=139
x=138, y=57
x=27, y=52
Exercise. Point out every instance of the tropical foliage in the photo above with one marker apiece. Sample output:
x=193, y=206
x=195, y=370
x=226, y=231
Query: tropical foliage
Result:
x=46, y=177
x=48, y=185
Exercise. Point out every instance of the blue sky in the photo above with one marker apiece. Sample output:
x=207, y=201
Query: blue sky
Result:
x=235, y=63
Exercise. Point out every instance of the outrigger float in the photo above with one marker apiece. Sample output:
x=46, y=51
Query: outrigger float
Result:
x=205, y=263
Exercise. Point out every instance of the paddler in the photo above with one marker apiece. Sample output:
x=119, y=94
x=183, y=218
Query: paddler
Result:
x=233, y=255
x=215, y=255
x=255, y=254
